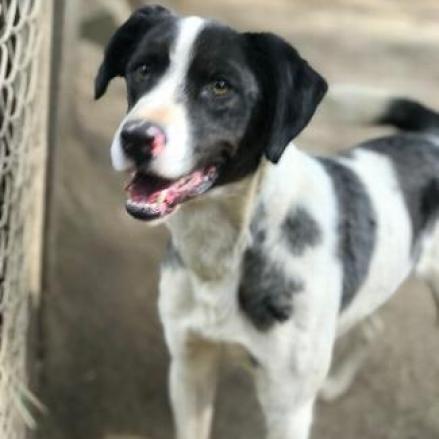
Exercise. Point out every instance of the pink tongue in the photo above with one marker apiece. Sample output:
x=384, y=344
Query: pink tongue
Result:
x=146, y=188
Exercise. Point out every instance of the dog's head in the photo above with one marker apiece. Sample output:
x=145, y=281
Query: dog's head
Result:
x=205, y=103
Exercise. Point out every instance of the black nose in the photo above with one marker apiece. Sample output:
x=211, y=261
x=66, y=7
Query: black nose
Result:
x=142, y=140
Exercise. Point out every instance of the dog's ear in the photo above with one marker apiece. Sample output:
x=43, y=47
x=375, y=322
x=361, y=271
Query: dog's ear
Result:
x=291, y=89
x=123, y=43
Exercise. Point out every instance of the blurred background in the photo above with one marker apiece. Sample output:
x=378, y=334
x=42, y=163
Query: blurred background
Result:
x=97, y=359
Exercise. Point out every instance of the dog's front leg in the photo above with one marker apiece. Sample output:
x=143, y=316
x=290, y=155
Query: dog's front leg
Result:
x=192, y=383
x=287, y=403
x=294, y=423
x=194, y=361
x=287, y=391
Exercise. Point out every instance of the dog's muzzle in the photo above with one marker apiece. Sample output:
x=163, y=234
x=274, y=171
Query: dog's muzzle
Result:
x=149, y=194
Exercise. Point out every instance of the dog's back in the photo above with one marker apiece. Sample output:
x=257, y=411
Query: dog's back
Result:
x=420, y=166
x=401, y=176
x=415, y=158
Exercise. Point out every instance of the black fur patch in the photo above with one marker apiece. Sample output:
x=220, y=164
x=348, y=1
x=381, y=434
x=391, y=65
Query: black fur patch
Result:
x=273, y=93
x=223, y=127
x=266, y=294
x=124, y=42
x=356, y=227
x=416, y=162
x=301, y=231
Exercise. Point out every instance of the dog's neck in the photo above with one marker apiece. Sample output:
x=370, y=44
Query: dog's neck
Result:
x=211, y=232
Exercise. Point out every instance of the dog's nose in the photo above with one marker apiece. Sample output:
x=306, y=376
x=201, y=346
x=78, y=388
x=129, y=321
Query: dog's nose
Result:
x=142, y=140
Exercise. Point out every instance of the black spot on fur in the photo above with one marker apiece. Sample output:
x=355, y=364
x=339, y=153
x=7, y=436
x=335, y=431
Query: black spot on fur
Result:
x=416, y=162
x=356, y=227
x=301, y=231
x=266, y=294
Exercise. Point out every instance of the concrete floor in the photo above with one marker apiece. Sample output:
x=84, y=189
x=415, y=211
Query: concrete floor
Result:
x=104, y=361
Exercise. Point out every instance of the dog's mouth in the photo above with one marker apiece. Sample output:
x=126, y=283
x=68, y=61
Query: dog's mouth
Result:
x=151, y=197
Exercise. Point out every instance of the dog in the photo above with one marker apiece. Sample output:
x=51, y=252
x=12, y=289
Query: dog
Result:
x=274, y=252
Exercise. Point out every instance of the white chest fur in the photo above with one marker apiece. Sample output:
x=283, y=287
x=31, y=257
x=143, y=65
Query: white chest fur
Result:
x=210, y=235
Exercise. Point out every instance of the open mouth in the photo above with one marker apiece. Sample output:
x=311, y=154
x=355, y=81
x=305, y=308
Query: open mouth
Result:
x=151, y=197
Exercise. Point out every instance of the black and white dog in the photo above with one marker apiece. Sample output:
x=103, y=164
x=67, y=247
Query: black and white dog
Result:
x=274, y=252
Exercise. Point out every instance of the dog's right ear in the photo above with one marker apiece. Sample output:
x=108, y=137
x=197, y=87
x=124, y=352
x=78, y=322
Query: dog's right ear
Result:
x=123, y=43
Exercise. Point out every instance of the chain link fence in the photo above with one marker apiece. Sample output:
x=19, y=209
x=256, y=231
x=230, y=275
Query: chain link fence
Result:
x=24, y=72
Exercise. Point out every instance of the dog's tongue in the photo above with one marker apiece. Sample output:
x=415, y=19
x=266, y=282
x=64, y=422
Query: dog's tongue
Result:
x=152, y=196
x=145, y=188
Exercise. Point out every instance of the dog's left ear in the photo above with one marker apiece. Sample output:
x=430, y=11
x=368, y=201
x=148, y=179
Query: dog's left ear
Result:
x=123, y=43
x=291, y=89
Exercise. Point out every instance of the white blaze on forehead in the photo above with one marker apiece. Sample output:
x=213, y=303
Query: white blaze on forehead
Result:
x=182, y=50
x=176, y=158
x=167, y=90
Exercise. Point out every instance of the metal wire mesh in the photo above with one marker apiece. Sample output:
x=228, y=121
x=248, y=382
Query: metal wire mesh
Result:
x=24, y=43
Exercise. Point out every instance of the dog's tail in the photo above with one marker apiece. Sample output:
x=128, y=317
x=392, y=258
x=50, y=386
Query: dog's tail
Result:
x=375, y=106
x=409, y=115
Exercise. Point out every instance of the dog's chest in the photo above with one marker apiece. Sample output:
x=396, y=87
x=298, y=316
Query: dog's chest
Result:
x=234, y=277
x=252, y=296
x=216, y=312
x=206, y=309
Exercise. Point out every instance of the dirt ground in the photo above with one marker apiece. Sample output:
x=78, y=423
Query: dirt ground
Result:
x=104, y=363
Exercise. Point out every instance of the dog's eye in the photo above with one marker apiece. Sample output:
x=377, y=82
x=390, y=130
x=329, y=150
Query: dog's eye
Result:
x=220, y=87
x=142, y=72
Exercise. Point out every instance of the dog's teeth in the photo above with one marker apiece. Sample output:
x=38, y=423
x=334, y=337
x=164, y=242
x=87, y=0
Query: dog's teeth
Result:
x=161, y=197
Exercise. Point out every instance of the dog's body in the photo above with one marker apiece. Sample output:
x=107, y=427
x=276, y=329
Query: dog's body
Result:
x=279, y=257
x=279, y=294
